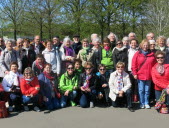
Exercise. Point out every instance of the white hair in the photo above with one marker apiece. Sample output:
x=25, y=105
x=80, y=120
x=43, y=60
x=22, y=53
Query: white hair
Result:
x=132, y=33
x=65, y=40
x=93, y=35
x=9, y=40
x=111, y=33
x=152, y=41
x=125, y=38
x=148, y=34
x=19, y=39
x=97, y=39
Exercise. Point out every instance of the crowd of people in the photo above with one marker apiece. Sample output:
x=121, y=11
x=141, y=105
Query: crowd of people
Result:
x=55, y=74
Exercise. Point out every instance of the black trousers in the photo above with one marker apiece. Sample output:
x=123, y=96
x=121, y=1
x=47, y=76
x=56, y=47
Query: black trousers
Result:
x=126, y=99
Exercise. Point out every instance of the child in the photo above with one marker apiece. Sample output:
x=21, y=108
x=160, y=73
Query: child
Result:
x=38, y=64
x=102, y=86
x=87, y=86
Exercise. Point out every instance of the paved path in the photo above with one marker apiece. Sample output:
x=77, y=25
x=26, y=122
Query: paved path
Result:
x=76, y=117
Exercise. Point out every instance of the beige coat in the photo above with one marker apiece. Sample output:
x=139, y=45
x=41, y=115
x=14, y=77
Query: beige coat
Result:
x=113, y=84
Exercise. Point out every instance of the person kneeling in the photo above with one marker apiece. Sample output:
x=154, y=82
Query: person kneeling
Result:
x=120, y=86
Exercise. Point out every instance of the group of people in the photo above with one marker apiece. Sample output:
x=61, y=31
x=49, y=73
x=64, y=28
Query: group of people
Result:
x=112, y=72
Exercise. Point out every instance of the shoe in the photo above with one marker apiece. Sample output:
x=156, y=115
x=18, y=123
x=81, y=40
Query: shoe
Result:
x=36, y=109
x=10, y=108
x=131, y=109
x=26, y=108
x=91, y=105
x=147, y=106
x=142, y=106
x=72, y=103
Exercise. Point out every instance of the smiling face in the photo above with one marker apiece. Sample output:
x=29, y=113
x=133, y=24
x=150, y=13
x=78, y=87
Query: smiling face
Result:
x=9, y=45
x=120, y=68
x=14, y=68
x=85, y=44
x=102, y=70
x=88, y=69
x=160, y=59
x=49, y=45
x=48, y=69
x=70, y=69
x=145, y=46
x=133, y=44
x=28, y=74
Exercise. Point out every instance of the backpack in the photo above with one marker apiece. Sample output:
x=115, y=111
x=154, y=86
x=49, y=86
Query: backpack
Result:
x=3, y=110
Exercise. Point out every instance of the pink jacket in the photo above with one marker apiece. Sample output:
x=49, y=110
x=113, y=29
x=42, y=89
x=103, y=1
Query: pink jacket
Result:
x=143, y=70
x=160, y=81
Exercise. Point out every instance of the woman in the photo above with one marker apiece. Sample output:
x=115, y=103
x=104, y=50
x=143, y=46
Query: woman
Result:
x=85, y=54
x=126, y=42
x=68, y=85
x=142, y=63
x=48, y=85
x=11, y=85
x=113, y=39
x=119, y=84
x=152, y=45
x=7, y=56
x=106, y=55
x=160, y=73
x=52, y=57
x=96, y=60
x=102, y=86
x=161, y=43
x=27, y=55
x=120, y=54
x=87, y=86
x=30, y=88
x=67, y=53
x=38, y=64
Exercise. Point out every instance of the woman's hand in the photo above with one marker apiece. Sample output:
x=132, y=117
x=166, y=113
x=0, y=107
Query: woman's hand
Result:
x=45, y=99
x=121, y=93
x=104, y=85
x=88, y=90
x=37, y=88
x=66, y=93
x=82, y=89
x=135, y=76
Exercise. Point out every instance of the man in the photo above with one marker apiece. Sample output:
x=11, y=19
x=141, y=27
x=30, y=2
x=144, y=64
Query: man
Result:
x=37, y=45
x=56, y=43
x=132, y=36
x=77, y=45
x=150, y=36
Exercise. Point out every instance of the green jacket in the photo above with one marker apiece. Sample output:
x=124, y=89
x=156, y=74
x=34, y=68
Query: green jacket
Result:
x=67, y=83
x=107, y=59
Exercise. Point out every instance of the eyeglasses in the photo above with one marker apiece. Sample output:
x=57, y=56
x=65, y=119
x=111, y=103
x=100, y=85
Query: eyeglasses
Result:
x=120, y=67
x=28, y=73
x=152, y=44
x=159, y=57
x=102, y=69
x=119, y=44
x=88, y=68
x=70, y=68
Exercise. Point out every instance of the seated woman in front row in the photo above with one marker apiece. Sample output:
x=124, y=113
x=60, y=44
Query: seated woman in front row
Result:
x=48, y=87
x=30, y=88
x=120, y=86
x=102, y=86
x=68, y=86
x=87, y=86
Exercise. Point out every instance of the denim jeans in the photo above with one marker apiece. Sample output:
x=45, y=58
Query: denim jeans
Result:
x=144, y=91
x=52, y=103
x=71, y=96
x=33, y=100
x=158, y=94
x=86, y=98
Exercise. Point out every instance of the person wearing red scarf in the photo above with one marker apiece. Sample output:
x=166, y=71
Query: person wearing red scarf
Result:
x=48, y=84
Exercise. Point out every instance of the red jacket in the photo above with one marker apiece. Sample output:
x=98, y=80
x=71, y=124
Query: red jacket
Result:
x=28, y=88
x=143, y=70
x=160, y=81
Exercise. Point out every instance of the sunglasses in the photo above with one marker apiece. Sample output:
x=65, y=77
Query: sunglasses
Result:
x=159, y=57
x=102, y=69
x=119, y=44
x=88, y=68
x=70, y=68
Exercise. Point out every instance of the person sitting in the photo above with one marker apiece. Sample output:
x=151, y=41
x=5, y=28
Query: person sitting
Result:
x=78, y=66
x=38, y=64
x=120, y=87
x=87, y=86
x=102, y=86
x=11, y=85
x=48, y=85
x=68, y=85
x=30, y=88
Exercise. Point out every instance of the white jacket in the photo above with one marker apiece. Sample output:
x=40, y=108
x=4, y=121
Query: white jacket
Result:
x=52, y=57
x=131, y=53
x=113, y=84
x=9, y=80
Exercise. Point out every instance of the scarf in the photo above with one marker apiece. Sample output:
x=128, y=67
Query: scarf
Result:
x=69, y=51
x=144, y=52
x=28, y=81
x=160, y=69
x=119, y=81
x=107, y=48
x=49, y=75
x=86, y=83
x=40, y=67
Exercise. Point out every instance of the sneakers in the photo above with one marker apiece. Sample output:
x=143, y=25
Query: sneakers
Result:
x=147, y=106
x=36, y=109
x=10, y=108
x=142, y=106
x=26, y=108
x=72, y=103
x=91, y=105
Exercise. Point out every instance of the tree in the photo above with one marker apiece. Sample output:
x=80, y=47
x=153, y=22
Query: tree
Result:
x=13, y=10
